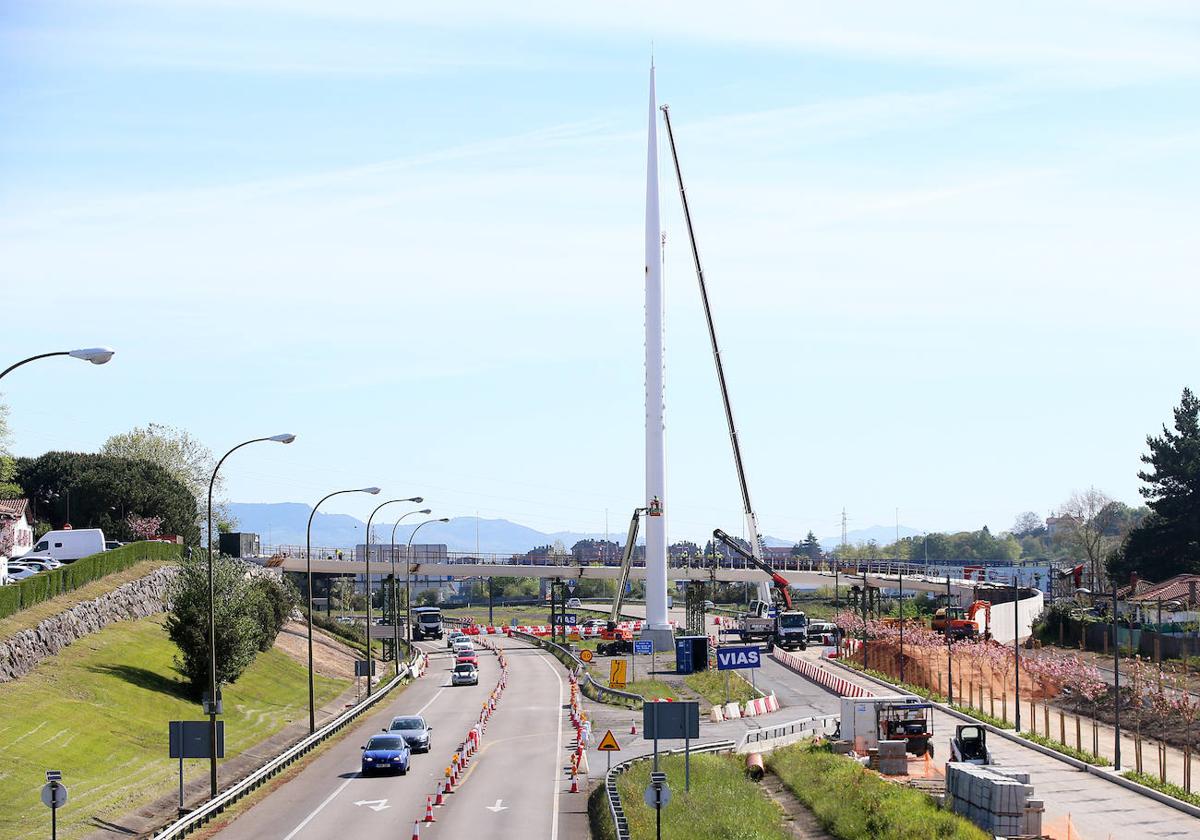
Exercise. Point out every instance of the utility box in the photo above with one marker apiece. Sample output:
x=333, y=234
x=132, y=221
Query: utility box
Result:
x=691, y=654
x=860, y=718
x=240, y=544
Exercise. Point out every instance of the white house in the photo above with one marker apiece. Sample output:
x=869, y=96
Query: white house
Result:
x=16, y=534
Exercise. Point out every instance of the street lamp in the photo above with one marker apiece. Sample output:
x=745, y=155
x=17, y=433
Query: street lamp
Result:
x=370, y=518
x=395, y=610
x=98, y=356
x=95, y=355
x=312, y=702
x=408, y=579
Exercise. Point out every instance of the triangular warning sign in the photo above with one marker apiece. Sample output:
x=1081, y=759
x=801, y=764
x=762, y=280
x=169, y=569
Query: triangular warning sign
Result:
x=609, y=743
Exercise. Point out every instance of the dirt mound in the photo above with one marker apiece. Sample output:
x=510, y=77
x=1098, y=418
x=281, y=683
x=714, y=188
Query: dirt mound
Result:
x=331, y=658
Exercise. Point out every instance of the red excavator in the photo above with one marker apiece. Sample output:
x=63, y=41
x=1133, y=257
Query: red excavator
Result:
x=965, y=624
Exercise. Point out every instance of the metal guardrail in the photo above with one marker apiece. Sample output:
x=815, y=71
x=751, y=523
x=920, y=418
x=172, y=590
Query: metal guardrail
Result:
x=190, y=822
x=818, y=724
x=615, y=809
x=590, y=688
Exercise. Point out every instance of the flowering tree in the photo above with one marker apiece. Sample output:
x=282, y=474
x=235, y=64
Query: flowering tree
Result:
x=1085, y=684
x=144, y=527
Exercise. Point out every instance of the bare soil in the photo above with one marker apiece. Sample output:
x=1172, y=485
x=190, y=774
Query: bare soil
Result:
x=798, y=820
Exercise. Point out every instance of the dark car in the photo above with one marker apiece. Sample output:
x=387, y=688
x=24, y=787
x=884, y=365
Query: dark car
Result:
x=385, y=752
x=414, y=730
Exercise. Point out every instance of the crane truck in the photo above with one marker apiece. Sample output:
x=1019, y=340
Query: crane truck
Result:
x=778, y=624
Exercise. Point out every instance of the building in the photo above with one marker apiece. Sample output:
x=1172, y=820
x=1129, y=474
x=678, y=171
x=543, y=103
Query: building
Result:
x=1179, y=597
x=16, y=534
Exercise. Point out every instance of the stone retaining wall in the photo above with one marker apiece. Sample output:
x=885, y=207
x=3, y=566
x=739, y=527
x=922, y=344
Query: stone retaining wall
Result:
x=139, y=598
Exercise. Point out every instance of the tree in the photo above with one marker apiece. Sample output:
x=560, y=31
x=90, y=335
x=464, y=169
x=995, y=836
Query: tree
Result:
x=1028, y=524
x=249, y=612
x=144, y=527
x=1087, y=519
x=101, y=491
x=185, y=458
x=9, y=489
x=1167, y=542
x=811, y=547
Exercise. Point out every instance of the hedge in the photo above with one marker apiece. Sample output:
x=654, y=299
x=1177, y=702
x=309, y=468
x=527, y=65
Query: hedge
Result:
x=46, y=585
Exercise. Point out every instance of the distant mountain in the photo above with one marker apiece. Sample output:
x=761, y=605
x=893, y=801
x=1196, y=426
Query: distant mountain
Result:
x=285, y=523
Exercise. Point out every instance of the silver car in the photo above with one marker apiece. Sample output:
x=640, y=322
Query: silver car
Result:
x=464, y=673
x=414, y=730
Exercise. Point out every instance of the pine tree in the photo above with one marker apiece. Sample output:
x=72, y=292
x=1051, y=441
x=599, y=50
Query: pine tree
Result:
x=1167, y=542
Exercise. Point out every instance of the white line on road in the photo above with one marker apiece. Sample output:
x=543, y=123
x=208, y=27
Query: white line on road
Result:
x=558, y=748
x=342, y=786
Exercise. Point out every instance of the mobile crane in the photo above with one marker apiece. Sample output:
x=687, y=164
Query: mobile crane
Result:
x=787, y=627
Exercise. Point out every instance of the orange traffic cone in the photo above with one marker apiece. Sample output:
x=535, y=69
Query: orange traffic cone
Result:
x=439, y=800
x=416, y=835
x=429, y=809
x=574, y=784
x=632, y=729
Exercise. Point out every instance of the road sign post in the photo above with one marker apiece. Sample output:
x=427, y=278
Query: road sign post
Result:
x=191, y=739
x=616, y=674
x=608, y=746
x=54, y=796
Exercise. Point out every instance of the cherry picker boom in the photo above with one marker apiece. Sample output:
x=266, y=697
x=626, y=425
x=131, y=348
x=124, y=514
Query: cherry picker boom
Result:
x=777, y=580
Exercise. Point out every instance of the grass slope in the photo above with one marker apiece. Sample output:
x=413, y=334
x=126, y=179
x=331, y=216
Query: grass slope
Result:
x=722, y=802
x=853, y=803
x=99, y=712
x=711, y=686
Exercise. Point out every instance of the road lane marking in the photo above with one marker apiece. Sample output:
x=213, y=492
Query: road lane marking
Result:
x=320, y=807
x=497, y=808
x=558, y=748
x=342, y=786
x=374, y=804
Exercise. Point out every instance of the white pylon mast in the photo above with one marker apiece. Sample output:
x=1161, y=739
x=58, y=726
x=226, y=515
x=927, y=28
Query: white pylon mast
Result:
x=657, y=626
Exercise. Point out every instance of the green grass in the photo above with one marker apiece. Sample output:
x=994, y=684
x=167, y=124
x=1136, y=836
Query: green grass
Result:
x=853, y=803
x=722, y=802
x=1059, y=746
x=1162, y=787
x=650, y=689
x=503, y=615
x=711, y=686
x=99, y=710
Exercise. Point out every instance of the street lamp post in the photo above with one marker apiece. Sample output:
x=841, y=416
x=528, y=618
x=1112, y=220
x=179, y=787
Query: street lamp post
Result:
x=901, y=569
x=312, y=701
x=1017, y=645
x=95, y=355
x=395, y=652
x=949, y=648
x=395, y=608
x=408, y=578
x=213, y=706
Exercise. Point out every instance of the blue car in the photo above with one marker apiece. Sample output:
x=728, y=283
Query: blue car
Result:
x=385, y=752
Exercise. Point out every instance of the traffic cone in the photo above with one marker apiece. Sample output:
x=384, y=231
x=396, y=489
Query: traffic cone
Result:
x=632, y=729
x=429, y=810
x=574, y=784
x=416, y=835
x=439, y=800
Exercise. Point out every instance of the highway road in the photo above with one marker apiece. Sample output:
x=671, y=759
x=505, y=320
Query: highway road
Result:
x=513, y=787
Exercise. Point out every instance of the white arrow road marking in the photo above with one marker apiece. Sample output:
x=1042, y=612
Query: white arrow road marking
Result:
x=374, y=804
x=497, y=808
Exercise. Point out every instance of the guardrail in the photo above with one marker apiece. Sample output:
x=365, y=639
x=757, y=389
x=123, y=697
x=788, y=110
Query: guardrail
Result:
x=187, y=824
x=818, y=724
x=615, y=810
x=590, y=688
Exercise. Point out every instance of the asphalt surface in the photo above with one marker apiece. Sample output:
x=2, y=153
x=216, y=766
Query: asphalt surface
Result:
x=514, y=786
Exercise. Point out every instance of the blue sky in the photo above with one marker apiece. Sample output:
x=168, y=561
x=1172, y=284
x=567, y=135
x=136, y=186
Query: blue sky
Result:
x=952, y=252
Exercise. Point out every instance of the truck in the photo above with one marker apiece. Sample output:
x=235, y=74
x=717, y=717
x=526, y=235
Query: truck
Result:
x=67, y=546
x=427, y=623
x=784, y=627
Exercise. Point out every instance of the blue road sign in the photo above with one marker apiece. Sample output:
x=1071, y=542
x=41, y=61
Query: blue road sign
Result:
x=569, y=619
x=646, y=647
x=733, y=658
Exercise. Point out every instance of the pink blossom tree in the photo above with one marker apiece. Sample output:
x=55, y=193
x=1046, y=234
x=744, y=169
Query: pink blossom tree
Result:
x=144, y=527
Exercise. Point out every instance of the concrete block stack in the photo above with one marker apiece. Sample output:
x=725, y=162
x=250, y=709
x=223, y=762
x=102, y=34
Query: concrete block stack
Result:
x=996, y=800
x=893, y=760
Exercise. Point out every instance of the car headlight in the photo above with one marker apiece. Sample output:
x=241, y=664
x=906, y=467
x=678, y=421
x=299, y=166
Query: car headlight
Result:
x=367, y=758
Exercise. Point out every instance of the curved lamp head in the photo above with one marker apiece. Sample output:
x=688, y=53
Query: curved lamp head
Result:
x=95, y=355
x=416, y=499
x=444, y=519
x=427, y=510
x=374, y=491
x=282, y=438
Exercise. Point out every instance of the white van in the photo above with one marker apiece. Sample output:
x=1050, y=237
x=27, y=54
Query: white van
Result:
x=67, y=546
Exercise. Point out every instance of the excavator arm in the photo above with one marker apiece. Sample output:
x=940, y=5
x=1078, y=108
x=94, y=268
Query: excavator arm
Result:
x=777, y=580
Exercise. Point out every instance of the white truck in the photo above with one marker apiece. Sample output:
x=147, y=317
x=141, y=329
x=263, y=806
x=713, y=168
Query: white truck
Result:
x=67, y=546
x=427, y=623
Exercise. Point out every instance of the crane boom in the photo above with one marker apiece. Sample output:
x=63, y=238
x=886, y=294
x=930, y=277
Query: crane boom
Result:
x=777, y=580
x=756, y=542
x=626, y=562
